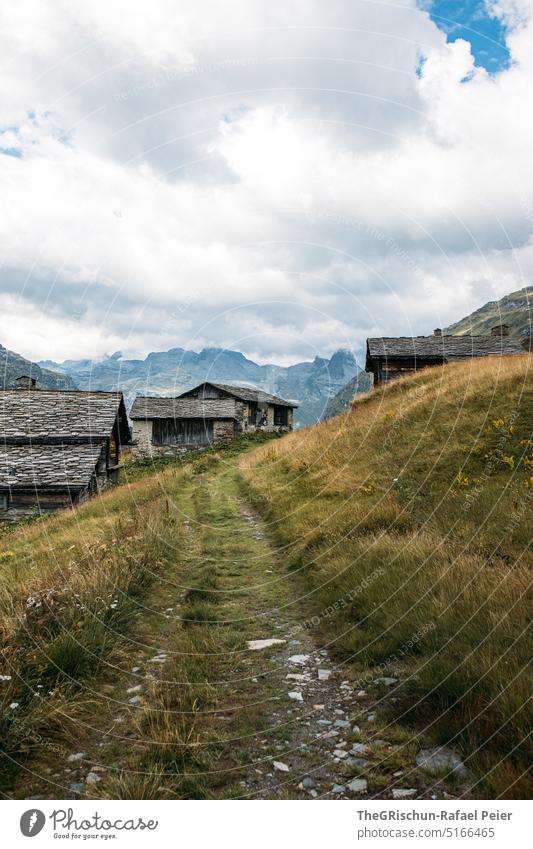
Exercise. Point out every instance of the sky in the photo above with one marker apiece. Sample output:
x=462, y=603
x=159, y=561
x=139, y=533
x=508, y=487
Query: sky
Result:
x=282, y=178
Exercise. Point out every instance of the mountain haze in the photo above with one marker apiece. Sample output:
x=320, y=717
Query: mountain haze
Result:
x=312, y=383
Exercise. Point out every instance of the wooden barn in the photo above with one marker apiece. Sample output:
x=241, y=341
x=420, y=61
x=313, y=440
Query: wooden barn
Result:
x=57, y=447
x=390, y=357
x=202, y=416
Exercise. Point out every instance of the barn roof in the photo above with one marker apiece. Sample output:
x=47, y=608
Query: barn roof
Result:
x=40, y=466
x=439, y=348
x=52, y=414
x=182, y=408
x=245, y=393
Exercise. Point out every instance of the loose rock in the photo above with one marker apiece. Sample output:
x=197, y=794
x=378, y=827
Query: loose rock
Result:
x=358, y=785
x=440, y=760
x=258, y=645
x=299, y=659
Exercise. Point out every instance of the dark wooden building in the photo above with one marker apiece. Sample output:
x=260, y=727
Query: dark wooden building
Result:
x=57, y=447
x=202, y=416
x=390, y=357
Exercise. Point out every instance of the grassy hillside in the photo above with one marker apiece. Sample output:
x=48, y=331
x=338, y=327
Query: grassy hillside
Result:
x=340, y=402
x=89, y=596
x=515, y=309
x=407, y=524
x=12, y=365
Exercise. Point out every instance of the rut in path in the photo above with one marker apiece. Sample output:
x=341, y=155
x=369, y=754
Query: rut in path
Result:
x=190, y=711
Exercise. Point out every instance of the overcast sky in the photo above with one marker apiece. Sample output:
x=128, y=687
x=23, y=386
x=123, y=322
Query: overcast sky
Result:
x=282, y=178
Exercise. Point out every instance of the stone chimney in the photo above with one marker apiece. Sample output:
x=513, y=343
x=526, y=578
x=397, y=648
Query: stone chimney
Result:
x=25, y=382
x=437, y=332
x=500, y=330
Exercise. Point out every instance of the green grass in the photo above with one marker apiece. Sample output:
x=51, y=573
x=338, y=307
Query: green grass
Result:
x=407, y=522
x=79, y=598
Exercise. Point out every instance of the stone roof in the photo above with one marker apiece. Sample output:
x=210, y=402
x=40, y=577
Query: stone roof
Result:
x=182, y=408
x=52, y=439
x=439, y=348
x=52, y=413
x=247, y=393
x=47, y=466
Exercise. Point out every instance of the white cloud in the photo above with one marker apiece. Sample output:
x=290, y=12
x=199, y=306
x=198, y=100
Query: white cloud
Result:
x=275, y=178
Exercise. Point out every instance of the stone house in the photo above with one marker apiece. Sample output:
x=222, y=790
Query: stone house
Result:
x=390, y=357
x=205, y=415
x=57, y=447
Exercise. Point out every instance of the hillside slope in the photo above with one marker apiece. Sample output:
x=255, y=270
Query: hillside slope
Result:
x=407, y=522
x=13, y=365
x=340, y=402
x=515, y=309
x=312, y=384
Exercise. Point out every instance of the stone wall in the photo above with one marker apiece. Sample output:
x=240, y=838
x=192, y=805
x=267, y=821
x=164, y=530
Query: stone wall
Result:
x=143, y=448
x=223, y=431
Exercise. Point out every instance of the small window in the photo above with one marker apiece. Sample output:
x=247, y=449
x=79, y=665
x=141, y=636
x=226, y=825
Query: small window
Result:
x=4, y=502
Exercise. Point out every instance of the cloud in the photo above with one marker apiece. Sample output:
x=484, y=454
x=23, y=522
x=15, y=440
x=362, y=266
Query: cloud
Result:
x=281, y=179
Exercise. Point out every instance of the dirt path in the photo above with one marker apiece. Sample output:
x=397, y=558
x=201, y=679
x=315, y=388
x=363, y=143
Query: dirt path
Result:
x=189, y=709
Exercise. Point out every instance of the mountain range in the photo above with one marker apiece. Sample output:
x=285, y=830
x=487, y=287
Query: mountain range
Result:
x=323, y=387
x=311, y=383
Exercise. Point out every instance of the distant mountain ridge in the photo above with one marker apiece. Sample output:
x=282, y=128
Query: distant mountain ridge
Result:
x=312, y=383
x=13, y=365
x=515, y=309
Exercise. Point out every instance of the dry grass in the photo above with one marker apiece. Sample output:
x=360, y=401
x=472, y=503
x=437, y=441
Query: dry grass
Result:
x=407, y=520
x=69, y=588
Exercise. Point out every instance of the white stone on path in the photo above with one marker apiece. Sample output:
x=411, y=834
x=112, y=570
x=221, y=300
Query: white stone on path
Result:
x=358, y=785
x=296, y=696
x=136, y=689
x=280, y=766
x=324, y=674
x=400, y=793
x=92, y=778
x=258, y=645
x=79, y=756
x=299, y=659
